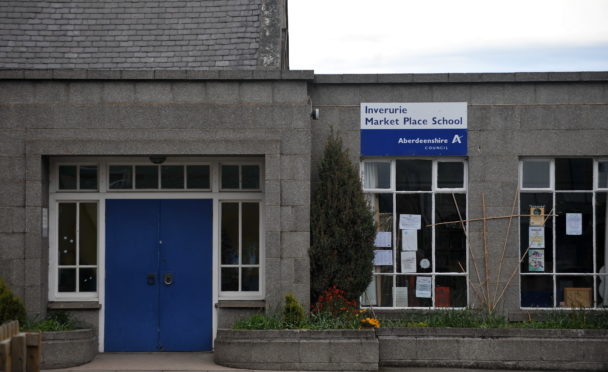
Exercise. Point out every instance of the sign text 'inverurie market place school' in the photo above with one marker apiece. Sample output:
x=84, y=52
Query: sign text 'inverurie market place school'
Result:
x=414, y=129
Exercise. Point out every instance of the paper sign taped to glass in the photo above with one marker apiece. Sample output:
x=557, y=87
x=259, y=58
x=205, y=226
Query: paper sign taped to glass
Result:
x=424, y=286
x=409, y=240
x=410, y=221
x=536, y=236
x=537, y=216
x=383, y=257
x=536, y=260
x=408, y=261
x=383, y=239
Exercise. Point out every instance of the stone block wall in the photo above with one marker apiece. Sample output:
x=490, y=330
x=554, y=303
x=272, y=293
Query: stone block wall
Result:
x=509, y=116
x=141, y=113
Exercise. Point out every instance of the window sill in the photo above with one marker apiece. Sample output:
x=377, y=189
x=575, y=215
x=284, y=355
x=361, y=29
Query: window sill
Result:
x=74, y=305
x=241, y=304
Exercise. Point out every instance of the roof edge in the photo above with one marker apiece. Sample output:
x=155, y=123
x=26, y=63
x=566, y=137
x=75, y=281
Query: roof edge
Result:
x=443, y=78
x=84, y=74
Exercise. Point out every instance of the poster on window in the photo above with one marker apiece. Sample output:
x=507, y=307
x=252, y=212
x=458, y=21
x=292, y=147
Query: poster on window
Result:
x=408, y=261
x=536, y=237
x=383, y=239
x=400, y=294
x=409, y=240
x=537, y=216
x=383, y=257
x=410, y=221
x=574, y=224
x=536, y=260
x=424, y=285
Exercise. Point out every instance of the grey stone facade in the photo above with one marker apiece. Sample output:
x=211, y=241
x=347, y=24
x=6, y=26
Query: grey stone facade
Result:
x=169, y=34
x=213, y=114
x=509, y=116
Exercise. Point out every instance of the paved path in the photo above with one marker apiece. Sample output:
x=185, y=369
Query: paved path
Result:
x=197, y=361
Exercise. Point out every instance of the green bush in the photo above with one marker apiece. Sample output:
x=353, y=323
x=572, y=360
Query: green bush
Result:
x=293, y=312
x=11, y=307
x=342, y=227
x=54, y=321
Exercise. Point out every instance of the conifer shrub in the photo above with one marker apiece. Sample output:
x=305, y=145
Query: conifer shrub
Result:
x=342, y=227
x=293, y=312
x=11, y=307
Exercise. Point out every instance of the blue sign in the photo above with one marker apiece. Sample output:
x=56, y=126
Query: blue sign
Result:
x=413, y=129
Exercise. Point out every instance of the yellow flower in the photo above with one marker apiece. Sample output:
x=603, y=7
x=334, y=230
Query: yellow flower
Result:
x=370, y=322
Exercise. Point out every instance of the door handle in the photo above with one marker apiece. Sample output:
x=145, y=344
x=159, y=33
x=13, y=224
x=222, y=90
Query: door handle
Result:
x=168, y=278
x=151, y=279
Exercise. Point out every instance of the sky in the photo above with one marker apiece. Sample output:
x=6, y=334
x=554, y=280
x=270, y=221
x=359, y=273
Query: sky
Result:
x=433, y=36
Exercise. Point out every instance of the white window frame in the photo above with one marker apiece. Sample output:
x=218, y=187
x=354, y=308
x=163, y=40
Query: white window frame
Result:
x=552, y=190
x=434, y=190
x=240, y=294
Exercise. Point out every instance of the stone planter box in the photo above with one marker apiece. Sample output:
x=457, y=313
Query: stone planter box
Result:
x=304, y=350
x=66, y=349
x=538, y=349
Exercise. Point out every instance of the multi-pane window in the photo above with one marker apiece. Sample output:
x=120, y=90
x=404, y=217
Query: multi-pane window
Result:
x=240, y=177
x=240, y=247
x=77, y=247
x=563, y=241
x=77, y=177
x=417, y=263
x=159, y=177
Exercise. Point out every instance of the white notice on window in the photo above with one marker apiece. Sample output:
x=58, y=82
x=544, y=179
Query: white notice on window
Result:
x=383, y=239
x=410, y=222
x=400, y=295
x=536, y=236
x=574, y=224
x=423, y=286
x=383, y=257
x=408, y=261
x=409, y=240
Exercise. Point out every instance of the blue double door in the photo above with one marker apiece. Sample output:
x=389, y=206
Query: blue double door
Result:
x=158, y=285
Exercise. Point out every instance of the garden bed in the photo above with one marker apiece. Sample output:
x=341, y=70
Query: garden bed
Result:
x=367, y=350
x=304, y=350
x=64, y=349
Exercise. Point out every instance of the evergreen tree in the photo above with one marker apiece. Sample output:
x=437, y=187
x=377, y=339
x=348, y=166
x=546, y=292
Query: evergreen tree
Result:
x=342, y=226
x=11, y=307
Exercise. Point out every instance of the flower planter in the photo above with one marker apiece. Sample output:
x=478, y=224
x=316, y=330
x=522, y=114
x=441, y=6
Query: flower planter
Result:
x=64, y=349
x=303, y=350
x=510, y=348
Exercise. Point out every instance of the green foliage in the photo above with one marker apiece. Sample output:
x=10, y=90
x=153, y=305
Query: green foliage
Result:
x=11, y=307
x=342, y=226
x=54, y=321
x=293, y=312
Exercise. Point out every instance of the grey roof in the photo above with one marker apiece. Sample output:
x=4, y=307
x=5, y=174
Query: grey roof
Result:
x=130, y=34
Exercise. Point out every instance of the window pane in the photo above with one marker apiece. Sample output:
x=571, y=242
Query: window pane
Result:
x=230, y=176
x=88, y=177
x=420, y=204
x=377, y=175
x=67, y=177
x=384, y=290
x=450, y=239
x=230, y=278
x=536, y=174
x=251, y=176
x=450, y=175
x=146, y=177
x=230, y=233
x=414, y=175
x=421, y=298
x=573, y=174
x=575, y=291
x=536, y=291
x=172, y=176
x=198, y=176
x=67, y=234
x=88, y=280
x=574, y=243
x=603, y=174
x=250, y=279
x=251, y=233
x=121, y=177
x=88, y=233
x=601, y=213
x=450, y=291
x=532, y=261
x=67, y=280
